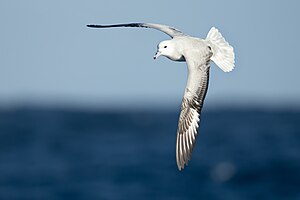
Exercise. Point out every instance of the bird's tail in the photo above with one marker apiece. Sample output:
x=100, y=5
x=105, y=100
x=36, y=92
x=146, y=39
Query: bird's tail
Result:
x=223, y=54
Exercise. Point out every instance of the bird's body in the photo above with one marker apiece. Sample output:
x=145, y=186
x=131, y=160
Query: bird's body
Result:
x=197, y=53
x=183, y=45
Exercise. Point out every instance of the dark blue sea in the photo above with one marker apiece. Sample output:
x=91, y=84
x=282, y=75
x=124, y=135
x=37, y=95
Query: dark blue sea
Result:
x=48, y=154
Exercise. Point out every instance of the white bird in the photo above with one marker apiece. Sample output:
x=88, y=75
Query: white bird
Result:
x=197, y=53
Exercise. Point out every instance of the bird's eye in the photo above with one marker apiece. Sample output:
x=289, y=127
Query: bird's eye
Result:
x=165, y=46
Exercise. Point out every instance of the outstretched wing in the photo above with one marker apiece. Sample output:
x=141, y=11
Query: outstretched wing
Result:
x=195, y=92
x=172, y=32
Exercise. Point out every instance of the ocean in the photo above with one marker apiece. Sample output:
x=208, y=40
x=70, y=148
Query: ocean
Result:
x=76, y=154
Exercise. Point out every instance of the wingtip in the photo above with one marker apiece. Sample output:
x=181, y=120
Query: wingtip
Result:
x=90, y=25
x=180, y=168
x=96, y=26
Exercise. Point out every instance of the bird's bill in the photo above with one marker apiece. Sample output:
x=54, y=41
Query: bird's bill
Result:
x=157, y=54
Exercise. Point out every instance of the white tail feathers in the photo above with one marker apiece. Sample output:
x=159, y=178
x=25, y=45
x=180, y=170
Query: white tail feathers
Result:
x=223, y=54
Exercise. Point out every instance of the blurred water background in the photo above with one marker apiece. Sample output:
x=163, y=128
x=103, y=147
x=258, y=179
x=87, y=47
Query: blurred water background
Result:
x=102, y=154
x=87, y=114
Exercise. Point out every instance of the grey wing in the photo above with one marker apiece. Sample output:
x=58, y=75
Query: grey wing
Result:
x=172, y=32
x=191, y=107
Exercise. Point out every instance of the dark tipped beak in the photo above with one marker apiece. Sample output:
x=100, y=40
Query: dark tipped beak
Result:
x=157, y=54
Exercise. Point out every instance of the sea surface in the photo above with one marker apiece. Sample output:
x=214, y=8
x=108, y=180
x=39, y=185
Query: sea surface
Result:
x=48, y=154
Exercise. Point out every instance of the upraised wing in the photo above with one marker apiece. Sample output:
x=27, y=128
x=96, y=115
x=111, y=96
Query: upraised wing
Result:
x=172, y=32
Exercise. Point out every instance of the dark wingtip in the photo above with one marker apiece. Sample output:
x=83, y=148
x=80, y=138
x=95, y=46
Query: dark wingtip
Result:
x=116, y=25
x=91, y=25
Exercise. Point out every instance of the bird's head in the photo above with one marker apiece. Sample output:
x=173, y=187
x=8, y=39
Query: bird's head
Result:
x=165, y=48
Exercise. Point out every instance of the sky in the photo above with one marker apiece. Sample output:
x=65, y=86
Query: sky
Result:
x=49, y=57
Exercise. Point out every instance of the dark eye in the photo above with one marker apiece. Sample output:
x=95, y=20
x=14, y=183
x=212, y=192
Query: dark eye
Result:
x=165, y=46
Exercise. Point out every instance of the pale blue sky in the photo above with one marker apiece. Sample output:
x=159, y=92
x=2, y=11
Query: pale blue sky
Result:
x=48, y=56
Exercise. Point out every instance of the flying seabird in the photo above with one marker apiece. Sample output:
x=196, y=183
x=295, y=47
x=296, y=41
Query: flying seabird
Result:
x=197, y=53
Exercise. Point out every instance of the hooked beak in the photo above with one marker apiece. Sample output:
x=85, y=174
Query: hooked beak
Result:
x=157, y=54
